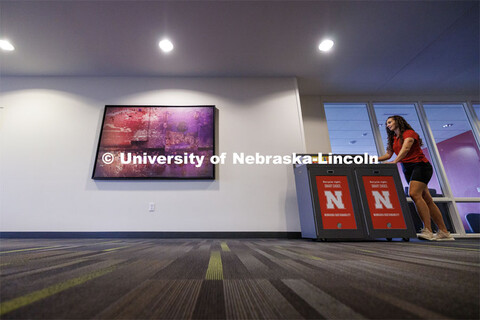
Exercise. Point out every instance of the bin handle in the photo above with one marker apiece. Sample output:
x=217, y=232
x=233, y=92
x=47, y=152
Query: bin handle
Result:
x=376, y=171
x=330, y=171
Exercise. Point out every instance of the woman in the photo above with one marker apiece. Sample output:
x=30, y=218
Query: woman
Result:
x=406, y=143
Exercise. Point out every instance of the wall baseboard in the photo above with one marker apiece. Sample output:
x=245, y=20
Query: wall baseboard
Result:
x=160, y=235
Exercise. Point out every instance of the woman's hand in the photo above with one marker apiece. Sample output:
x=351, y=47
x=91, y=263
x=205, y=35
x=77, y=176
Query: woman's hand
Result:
x=386, y=156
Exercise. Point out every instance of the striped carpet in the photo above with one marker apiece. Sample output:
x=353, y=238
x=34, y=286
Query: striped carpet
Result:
x=238, y=279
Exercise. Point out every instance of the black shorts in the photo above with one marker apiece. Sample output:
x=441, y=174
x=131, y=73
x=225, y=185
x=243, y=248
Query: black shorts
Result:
x=418, y=171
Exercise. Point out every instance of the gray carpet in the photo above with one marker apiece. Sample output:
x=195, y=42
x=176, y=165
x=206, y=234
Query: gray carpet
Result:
x=238, y=279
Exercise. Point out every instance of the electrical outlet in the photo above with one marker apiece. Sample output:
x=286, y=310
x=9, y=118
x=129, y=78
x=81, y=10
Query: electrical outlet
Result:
x=151, y=207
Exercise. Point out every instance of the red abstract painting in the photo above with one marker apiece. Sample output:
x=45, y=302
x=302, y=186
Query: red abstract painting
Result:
x=156, y=142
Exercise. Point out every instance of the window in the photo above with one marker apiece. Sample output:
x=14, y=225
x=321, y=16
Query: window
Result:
x=457, y=147
x=408, y=112
x=349, y=129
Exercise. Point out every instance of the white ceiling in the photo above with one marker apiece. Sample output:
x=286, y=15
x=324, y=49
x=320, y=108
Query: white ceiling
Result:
x=382, y=47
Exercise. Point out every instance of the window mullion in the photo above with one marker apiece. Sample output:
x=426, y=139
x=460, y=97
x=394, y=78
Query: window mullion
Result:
x=438, y=166
x=474, y=122
x=375, y=129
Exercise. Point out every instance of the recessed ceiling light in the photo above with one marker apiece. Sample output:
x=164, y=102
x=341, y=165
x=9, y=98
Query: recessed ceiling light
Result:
x=325, y=45
x=166, y=45
x=448, y=125
x=6, y=45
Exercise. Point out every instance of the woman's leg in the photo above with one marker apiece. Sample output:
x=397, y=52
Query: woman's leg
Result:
x=416, y=193
x=434, y=211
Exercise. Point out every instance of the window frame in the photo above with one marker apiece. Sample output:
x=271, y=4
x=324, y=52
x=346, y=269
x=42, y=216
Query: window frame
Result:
x=430, y=142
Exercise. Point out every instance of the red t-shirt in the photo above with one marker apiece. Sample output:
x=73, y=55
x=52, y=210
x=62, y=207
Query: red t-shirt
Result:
x=415, y=154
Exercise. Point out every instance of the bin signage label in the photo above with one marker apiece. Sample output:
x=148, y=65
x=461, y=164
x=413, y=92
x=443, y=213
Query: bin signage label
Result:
x=383, y=202
x=335, y=203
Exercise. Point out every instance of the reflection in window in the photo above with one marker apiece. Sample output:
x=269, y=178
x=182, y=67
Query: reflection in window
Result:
x=349, y=129
x=457, y=148
x=470, y=215
x=407, y=111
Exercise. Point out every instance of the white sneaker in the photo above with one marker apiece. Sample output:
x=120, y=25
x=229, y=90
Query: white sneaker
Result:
x=443, y=236
x=426, y=235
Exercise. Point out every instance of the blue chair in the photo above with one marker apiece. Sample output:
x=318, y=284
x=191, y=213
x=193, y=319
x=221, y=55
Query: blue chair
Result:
x=473, y=220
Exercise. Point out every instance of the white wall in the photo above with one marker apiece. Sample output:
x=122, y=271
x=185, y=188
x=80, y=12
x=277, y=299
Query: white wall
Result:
x=48, y=137
x=315, y=125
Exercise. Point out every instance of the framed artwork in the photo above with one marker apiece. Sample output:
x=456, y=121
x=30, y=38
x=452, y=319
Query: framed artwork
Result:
x=156, y=142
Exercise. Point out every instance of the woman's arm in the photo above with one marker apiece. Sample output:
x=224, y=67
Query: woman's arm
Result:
x=386, y=156
x=406, y=146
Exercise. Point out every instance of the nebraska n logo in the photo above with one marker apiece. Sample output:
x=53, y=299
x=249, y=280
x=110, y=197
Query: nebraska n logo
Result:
x=383, y=198
x=337, y=199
